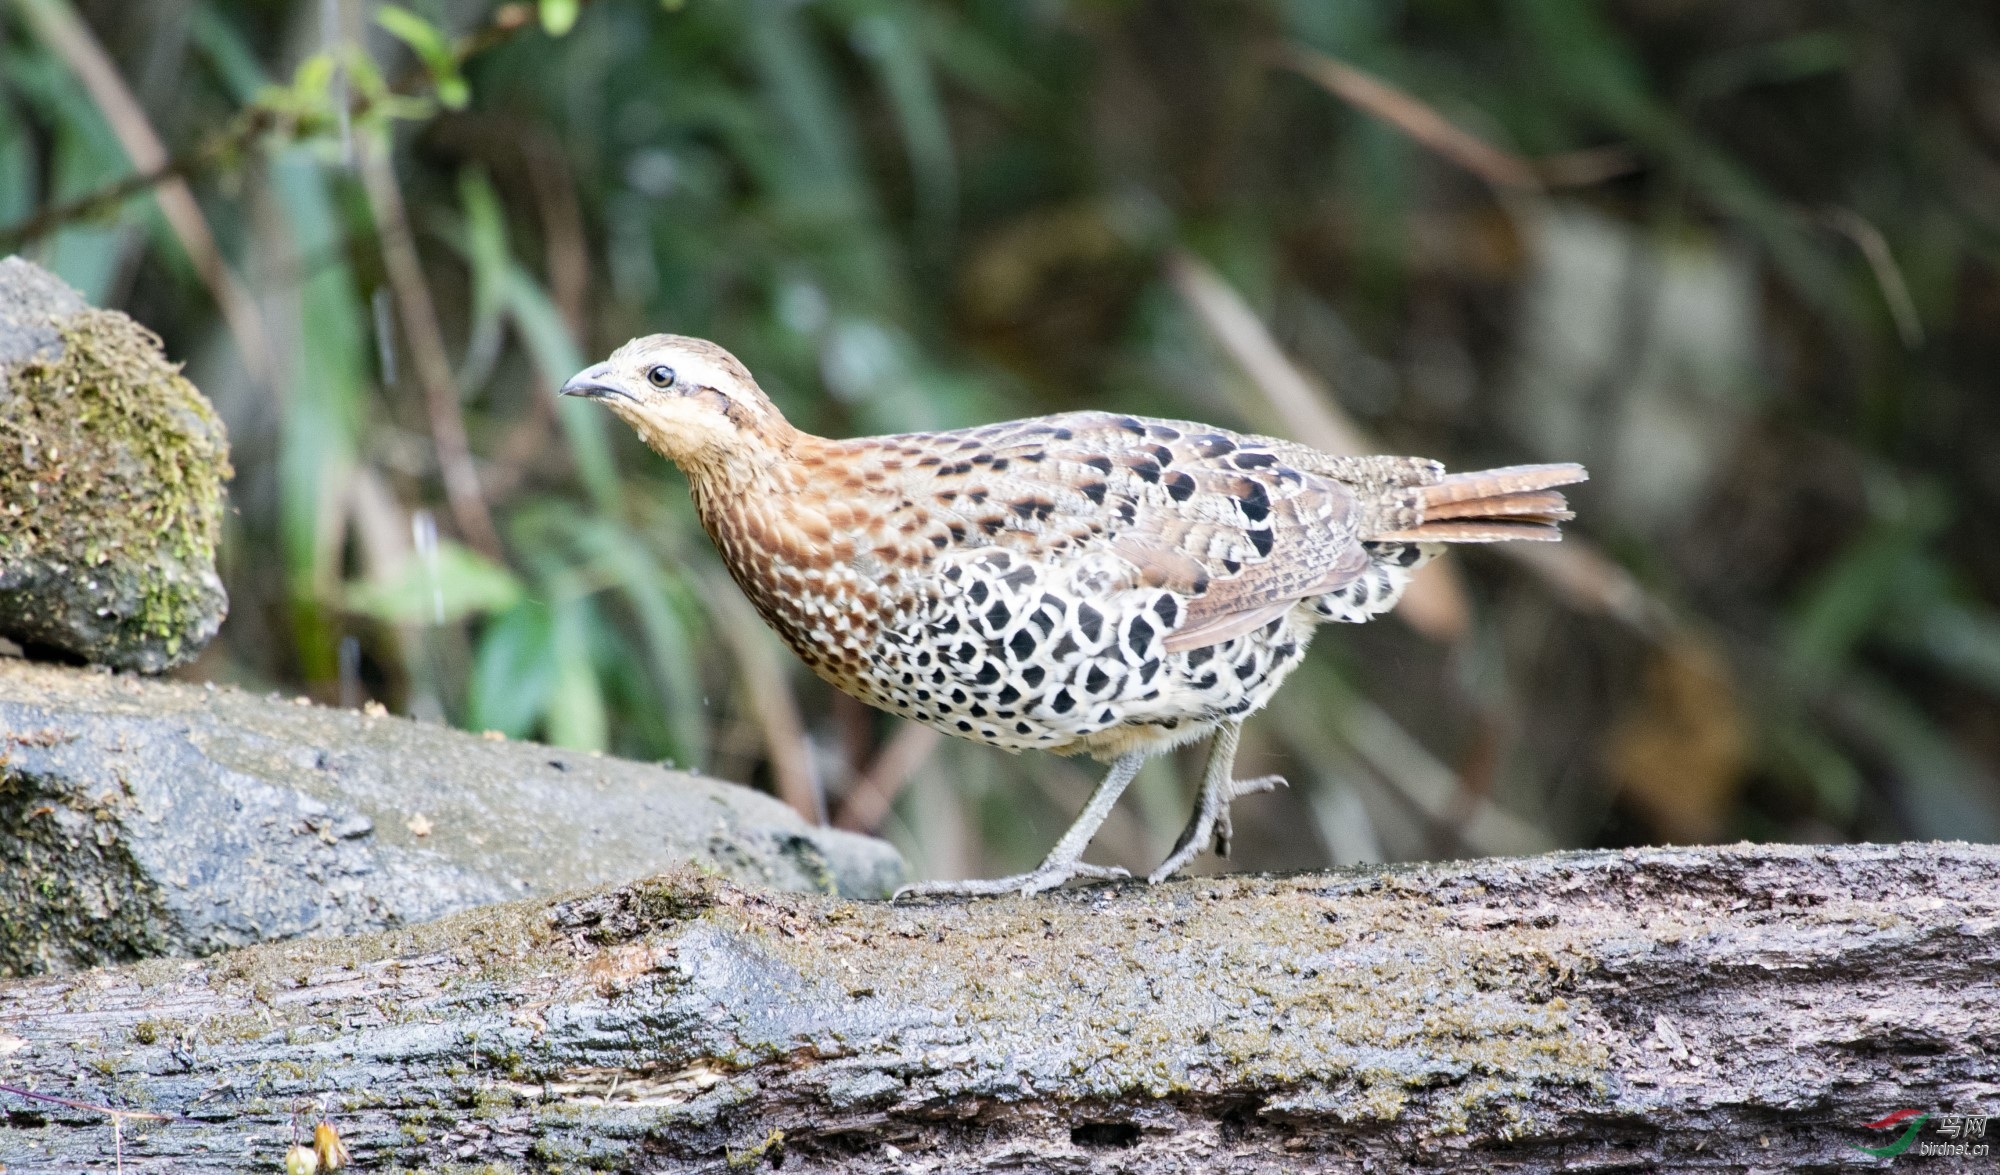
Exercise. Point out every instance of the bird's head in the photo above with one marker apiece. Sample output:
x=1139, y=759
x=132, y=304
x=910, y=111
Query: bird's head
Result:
x=688, y=398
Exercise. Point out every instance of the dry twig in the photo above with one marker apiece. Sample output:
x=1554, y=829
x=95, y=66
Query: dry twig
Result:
x=868, y=803
x=777, y=711
x=1413, y=117
x=1882, y=263
x=425, y=343
x=1421, y=121
x=1435, y=603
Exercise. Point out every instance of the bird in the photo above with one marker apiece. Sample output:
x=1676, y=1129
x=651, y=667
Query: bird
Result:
x=1087, y=582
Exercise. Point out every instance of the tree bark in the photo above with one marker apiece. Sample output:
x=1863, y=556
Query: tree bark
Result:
x=1735, y=1008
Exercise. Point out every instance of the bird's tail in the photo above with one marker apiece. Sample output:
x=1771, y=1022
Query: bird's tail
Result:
x=1491, y=506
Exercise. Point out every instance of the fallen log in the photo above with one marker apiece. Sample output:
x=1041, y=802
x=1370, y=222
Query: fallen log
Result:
x=1736, y=1008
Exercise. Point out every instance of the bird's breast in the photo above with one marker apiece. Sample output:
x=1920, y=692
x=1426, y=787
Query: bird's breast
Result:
x=827, y=572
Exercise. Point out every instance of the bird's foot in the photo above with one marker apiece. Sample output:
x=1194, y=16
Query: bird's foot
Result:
x=1211, y=825
x=1048, y=876
x=1238, y=788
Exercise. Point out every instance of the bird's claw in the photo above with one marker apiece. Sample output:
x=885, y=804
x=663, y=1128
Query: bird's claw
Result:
x=1238, y=788
x=1211, y=825
x=1225, y=831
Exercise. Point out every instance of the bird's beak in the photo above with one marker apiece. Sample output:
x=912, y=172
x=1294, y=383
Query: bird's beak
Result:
x=593, y=382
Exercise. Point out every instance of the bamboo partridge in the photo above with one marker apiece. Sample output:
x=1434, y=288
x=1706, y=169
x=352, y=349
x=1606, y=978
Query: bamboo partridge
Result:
x=1087, y=582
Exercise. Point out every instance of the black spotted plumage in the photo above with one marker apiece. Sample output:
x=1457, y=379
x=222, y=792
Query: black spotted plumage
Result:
x=1170, y=572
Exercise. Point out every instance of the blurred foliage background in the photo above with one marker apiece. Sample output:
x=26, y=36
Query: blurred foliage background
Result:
x=1737, y=257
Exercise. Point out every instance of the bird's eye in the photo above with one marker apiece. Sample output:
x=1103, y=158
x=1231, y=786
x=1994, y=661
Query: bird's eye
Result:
x=661, y=376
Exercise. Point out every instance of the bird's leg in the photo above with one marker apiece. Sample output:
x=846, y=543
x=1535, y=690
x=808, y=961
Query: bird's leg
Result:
x=1065, y=860
x=1210, y=822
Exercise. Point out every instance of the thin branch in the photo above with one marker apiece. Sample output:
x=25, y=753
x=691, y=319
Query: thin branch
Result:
x=777, y=712
x=424, y=341
x=91, y=1107
x=1421, y=121
x=256, y=120
x=1413, y=117
x=868, y=804
x=1435, y=603
x=507, y=20
x=63, y=31
x=1888, y=275
x=566, y=246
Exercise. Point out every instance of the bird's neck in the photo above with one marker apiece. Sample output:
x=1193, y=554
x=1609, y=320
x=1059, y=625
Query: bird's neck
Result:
x=794, y=529
x=757, y=471
x=769, y=506
x=741, y=494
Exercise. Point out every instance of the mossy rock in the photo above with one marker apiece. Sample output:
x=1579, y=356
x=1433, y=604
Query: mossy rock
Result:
x=111, y=474
x=142, y=818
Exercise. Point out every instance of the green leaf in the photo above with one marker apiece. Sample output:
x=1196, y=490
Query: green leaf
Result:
x=1944, y=792
x=964, y=52
x=577, y=715
x=460, y=582
x=559, y=16
x=818, y=175
x=1851, y=599
x=896, y=51
x=231, y=56
x=514, y=671
x=312, y=81
x=327, y=390
x=434, y=49
x=1835, y=781
x=425, y=39
x=623, y=557
x=558, y=358
x=1927, y=619
x=18, y=165
x=453, y=92
x=485, y=247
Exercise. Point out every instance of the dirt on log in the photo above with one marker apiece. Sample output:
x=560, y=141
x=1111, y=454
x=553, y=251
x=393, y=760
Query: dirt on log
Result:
x=1732, y=1009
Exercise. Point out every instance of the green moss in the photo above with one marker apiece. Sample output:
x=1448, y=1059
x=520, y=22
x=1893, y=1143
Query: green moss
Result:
x=491, y=1102
x=67, y=891
x=771, y=1150
x=113, y=483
